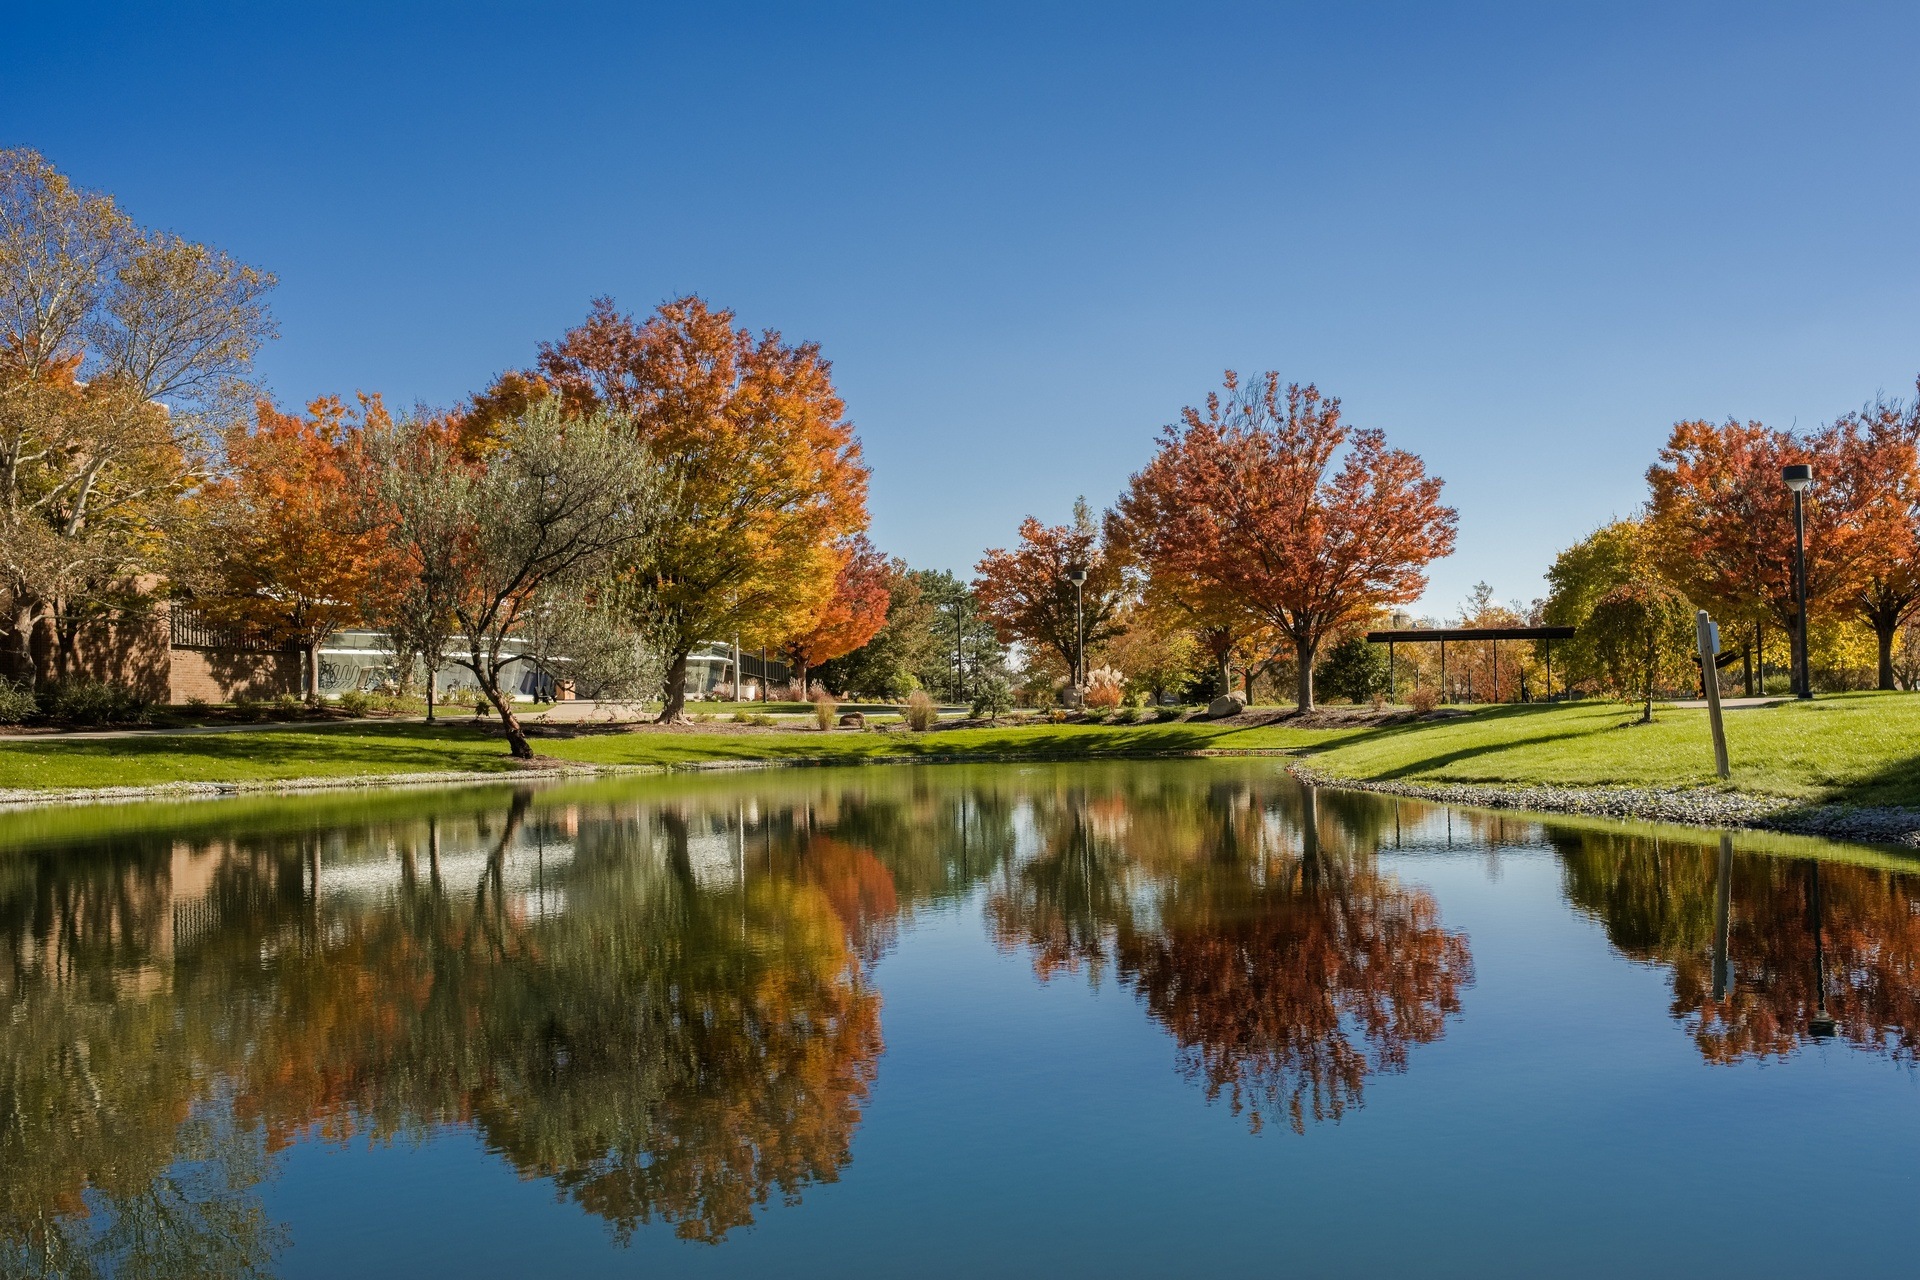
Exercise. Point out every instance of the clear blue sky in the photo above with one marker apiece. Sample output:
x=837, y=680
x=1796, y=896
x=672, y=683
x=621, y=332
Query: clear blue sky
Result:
x=1521, y=239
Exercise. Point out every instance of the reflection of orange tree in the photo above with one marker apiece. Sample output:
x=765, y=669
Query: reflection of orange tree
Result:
x=661, y=1049
x=1657, y=901
x=1286, y=974
x=861, y=890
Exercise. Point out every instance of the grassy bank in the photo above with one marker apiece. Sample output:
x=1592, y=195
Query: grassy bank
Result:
x=380, y=749
x=1851, y=748
x=1859, y=749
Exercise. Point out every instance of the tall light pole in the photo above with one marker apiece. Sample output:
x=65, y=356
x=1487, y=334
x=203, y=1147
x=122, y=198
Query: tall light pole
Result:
x=1797, y=477
x=959, y=657
x=1077, y=575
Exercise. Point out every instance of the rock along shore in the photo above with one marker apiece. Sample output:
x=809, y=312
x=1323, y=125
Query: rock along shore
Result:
x=1691, y=806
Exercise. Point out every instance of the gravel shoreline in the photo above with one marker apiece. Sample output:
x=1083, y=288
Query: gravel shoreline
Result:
x=1689, y=806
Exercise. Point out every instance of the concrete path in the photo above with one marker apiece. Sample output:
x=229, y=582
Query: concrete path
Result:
x=90, y=735
x=1733, y=704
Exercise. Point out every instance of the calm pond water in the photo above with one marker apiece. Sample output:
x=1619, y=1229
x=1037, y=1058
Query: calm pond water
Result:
x=1126, y=1019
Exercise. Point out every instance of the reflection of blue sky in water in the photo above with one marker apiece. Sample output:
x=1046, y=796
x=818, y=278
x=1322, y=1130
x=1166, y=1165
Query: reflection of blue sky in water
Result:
x=653, y=1009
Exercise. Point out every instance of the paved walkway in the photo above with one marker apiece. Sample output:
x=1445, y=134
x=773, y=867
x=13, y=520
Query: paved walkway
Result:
x=87, y=735
x=1734, y=704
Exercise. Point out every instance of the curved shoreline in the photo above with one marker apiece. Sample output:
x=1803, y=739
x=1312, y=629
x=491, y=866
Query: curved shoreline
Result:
x=1687, y=806
x=1695, y=806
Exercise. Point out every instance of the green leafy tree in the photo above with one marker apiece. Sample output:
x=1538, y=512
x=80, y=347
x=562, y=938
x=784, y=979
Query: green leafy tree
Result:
x=966, y=649
x=1614, y=555
x=1354, y=670
x=1642, y=633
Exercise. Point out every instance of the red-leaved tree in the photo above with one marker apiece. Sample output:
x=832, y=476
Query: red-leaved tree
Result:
x=1310, y=524
x=1026, y=594
x=1721, y=520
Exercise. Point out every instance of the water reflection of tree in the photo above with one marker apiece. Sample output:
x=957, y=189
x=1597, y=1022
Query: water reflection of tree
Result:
x=1859, y=958
x=1255, y=926
x=663, y=1049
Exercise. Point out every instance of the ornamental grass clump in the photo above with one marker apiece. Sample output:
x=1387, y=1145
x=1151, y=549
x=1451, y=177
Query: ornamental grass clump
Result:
x=824, y=708
x=920, y=712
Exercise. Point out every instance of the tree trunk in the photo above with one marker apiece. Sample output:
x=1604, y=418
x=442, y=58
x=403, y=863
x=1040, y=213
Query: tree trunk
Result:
x=313, y=671
x=1746, y=663
x=1884, y=628
x=66, y=642
x=430, y=676
x=21, y=646
x=801, y=666
x=516, y=736
x=674, y=696
x=1303, y=680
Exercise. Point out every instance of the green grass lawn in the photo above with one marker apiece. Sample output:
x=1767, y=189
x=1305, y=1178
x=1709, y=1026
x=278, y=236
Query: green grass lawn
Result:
x=1857, y=748
x=373, y=748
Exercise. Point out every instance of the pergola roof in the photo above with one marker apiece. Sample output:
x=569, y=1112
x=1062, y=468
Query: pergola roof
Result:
x=1420, y=634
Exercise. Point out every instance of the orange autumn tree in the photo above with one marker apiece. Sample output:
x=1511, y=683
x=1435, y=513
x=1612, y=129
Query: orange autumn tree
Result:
x=1148, y=525
x=1886, y=585
x=290, y=555
x=767, y=479
x=1721, y=521
x=853, y=615
x=1026, y=594
x=1311, y=525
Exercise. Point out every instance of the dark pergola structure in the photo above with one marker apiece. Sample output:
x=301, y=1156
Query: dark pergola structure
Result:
x=1440, y=636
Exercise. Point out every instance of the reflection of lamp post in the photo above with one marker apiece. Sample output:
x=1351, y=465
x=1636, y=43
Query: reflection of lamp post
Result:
x=1722, y=914
x=1077, y=575
x=1797, y=477
x=1820, y=1024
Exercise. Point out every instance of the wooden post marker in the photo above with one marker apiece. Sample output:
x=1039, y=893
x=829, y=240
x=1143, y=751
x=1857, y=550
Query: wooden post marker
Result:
x=1708, y=636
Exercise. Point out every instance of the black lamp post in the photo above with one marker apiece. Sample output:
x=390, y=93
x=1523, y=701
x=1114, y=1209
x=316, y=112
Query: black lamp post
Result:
x=1077, y=575
x=1797, y=477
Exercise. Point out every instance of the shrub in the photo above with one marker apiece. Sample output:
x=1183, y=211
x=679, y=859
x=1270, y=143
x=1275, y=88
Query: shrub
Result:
x=762, y=720
x=1126, y=715
x=196, y=703
x=16, y=702
x=85, y=701
x=355, y=703
x=920, y=712
x=993, y=699
x=1354, y=670
x=1423, y=698
x=288, y=704
x=1058, y=716
x=824, y=708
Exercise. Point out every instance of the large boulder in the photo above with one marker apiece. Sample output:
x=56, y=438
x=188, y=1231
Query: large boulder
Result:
x=1227, y=704
x=853, y=720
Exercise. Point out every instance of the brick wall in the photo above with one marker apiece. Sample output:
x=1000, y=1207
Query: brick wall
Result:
x=223, y=675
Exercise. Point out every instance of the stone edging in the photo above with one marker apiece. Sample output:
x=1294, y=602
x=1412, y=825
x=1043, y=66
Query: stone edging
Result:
x=1691, y=806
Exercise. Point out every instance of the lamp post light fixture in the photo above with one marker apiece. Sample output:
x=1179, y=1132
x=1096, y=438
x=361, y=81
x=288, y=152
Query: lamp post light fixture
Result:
x=1077, y=575
x=1797, y=477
